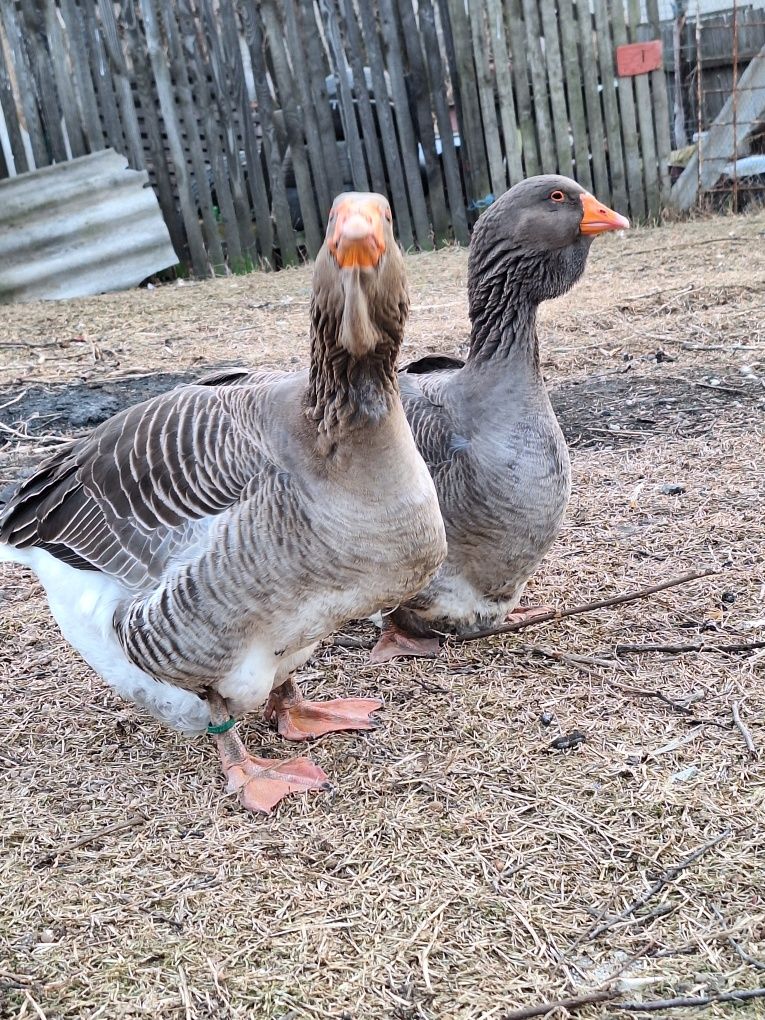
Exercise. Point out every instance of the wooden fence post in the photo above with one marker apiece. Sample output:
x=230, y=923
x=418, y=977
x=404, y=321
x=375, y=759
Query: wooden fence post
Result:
x=539, y=80
x=485, y=83
x=167, y=105
x=387, y=130
x=574, y=84
x=418, y=82
x=645, y=120
x=661, y=107
x=629, y=125
x=557, y=91
x=516, y=32
x=448, y=150
x=286, y=91
x=463, y=82
x=610, y=104
x=10, y=113
x=507, y=112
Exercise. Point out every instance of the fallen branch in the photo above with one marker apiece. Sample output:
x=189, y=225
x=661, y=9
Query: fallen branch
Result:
x=588, y=607
x=645, y=692
x=743, y=995
x=92, y=837
x=650, y=1006
x=590, y=999
x=741, y=727
x=696, y=646
x=668, y=876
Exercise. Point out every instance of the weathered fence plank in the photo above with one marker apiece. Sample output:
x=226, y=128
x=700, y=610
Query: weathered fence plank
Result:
x=629, y=124
x=223, y=46
x=355, y=50
x=318, y=69
x=485, y=81
x=538, y=70
x=157, y=159
x=35, y=43
x=571, y=66
x=103, y=81
x=600, y=179
x=167, y=104
x=406, y=132
x=471, y=132
x=516, y=33
x=191, y=129
x=122, y=85
x=26, y=85
x=418, y=87
x=661, y=107
x=610, y=104
x=448, y=150
x=286, y=90
x=555, y=84
x=10, y=115
x=62, y=77
x=387, y=130
x=645, y=120
x=279, y=203
x=507, y=113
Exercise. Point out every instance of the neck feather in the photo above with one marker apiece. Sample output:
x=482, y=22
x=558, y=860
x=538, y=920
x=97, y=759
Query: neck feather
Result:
x=503, y=309
x=349, y=390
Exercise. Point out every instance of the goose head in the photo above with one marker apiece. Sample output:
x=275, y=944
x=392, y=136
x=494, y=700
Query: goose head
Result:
x=360, y=289
x=535, y=239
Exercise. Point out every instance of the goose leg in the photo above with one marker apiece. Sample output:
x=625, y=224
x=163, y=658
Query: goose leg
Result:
x=395, y=642
x=297, y=719
x=523, y=613
x=259, y=783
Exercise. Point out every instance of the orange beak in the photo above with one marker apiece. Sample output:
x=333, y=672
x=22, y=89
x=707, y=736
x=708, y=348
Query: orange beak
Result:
x=358, y=239
x=598, y=218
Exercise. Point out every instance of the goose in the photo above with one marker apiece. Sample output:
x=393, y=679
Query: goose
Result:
x=485, y=426
x=196, y=547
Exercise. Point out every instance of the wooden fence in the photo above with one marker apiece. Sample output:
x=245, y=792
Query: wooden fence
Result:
x=704, y=57
x=249, y=115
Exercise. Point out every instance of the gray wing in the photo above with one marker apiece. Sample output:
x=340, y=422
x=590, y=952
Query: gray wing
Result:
x=437, y=433
x=137, y=490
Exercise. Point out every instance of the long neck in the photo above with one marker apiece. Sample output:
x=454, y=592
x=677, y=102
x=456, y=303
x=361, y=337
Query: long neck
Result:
x=350, y=390
x=503, y=326
x=503, y=314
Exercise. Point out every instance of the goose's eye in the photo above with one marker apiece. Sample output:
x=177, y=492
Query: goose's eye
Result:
x=558, y=196
x=388, y=216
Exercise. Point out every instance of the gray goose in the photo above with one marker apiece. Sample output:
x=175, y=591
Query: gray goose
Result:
x=485, y=427
x=195, y=548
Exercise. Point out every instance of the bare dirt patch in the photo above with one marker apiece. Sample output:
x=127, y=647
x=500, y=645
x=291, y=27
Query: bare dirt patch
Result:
x=464, y=866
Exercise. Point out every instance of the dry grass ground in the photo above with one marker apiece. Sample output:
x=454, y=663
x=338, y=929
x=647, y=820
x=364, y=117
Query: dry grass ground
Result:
x=463, y=868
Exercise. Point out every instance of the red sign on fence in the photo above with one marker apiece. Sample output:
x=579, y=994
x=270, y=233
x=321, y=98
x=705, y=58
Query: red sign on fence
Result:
x=638, y=58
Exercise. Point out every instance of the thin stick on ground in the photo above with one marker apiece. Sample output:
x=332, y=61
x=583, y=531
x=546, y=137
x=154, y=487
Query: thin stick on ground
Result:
x=742, y=728
x=742, y=995
x=589, y=999
x=668, y=876
x=588, y=607
x=695, y=646
x=108, y=830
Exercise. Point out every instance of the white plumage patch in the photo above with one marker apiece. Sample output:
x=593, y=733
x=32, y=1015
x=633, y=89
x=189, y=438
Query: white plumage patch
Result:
x=83, y=603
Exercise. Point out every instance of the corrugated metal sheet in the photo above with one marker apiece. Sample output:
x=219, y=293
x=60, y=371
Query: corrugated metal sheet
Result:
x=82, y=227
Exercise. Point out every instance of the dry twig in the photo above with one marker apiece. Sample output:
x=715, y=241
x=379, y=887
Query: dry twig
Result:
x=742, y=728
x=742, y=995
x=696, y=646
x=589, y=999
x=588, y=607
x=664, y=879
x=92, y=837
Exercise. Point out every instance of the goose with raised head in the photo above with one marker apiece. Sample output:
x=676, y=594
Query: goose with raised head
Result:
x=195, y=548
x=486, y=428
